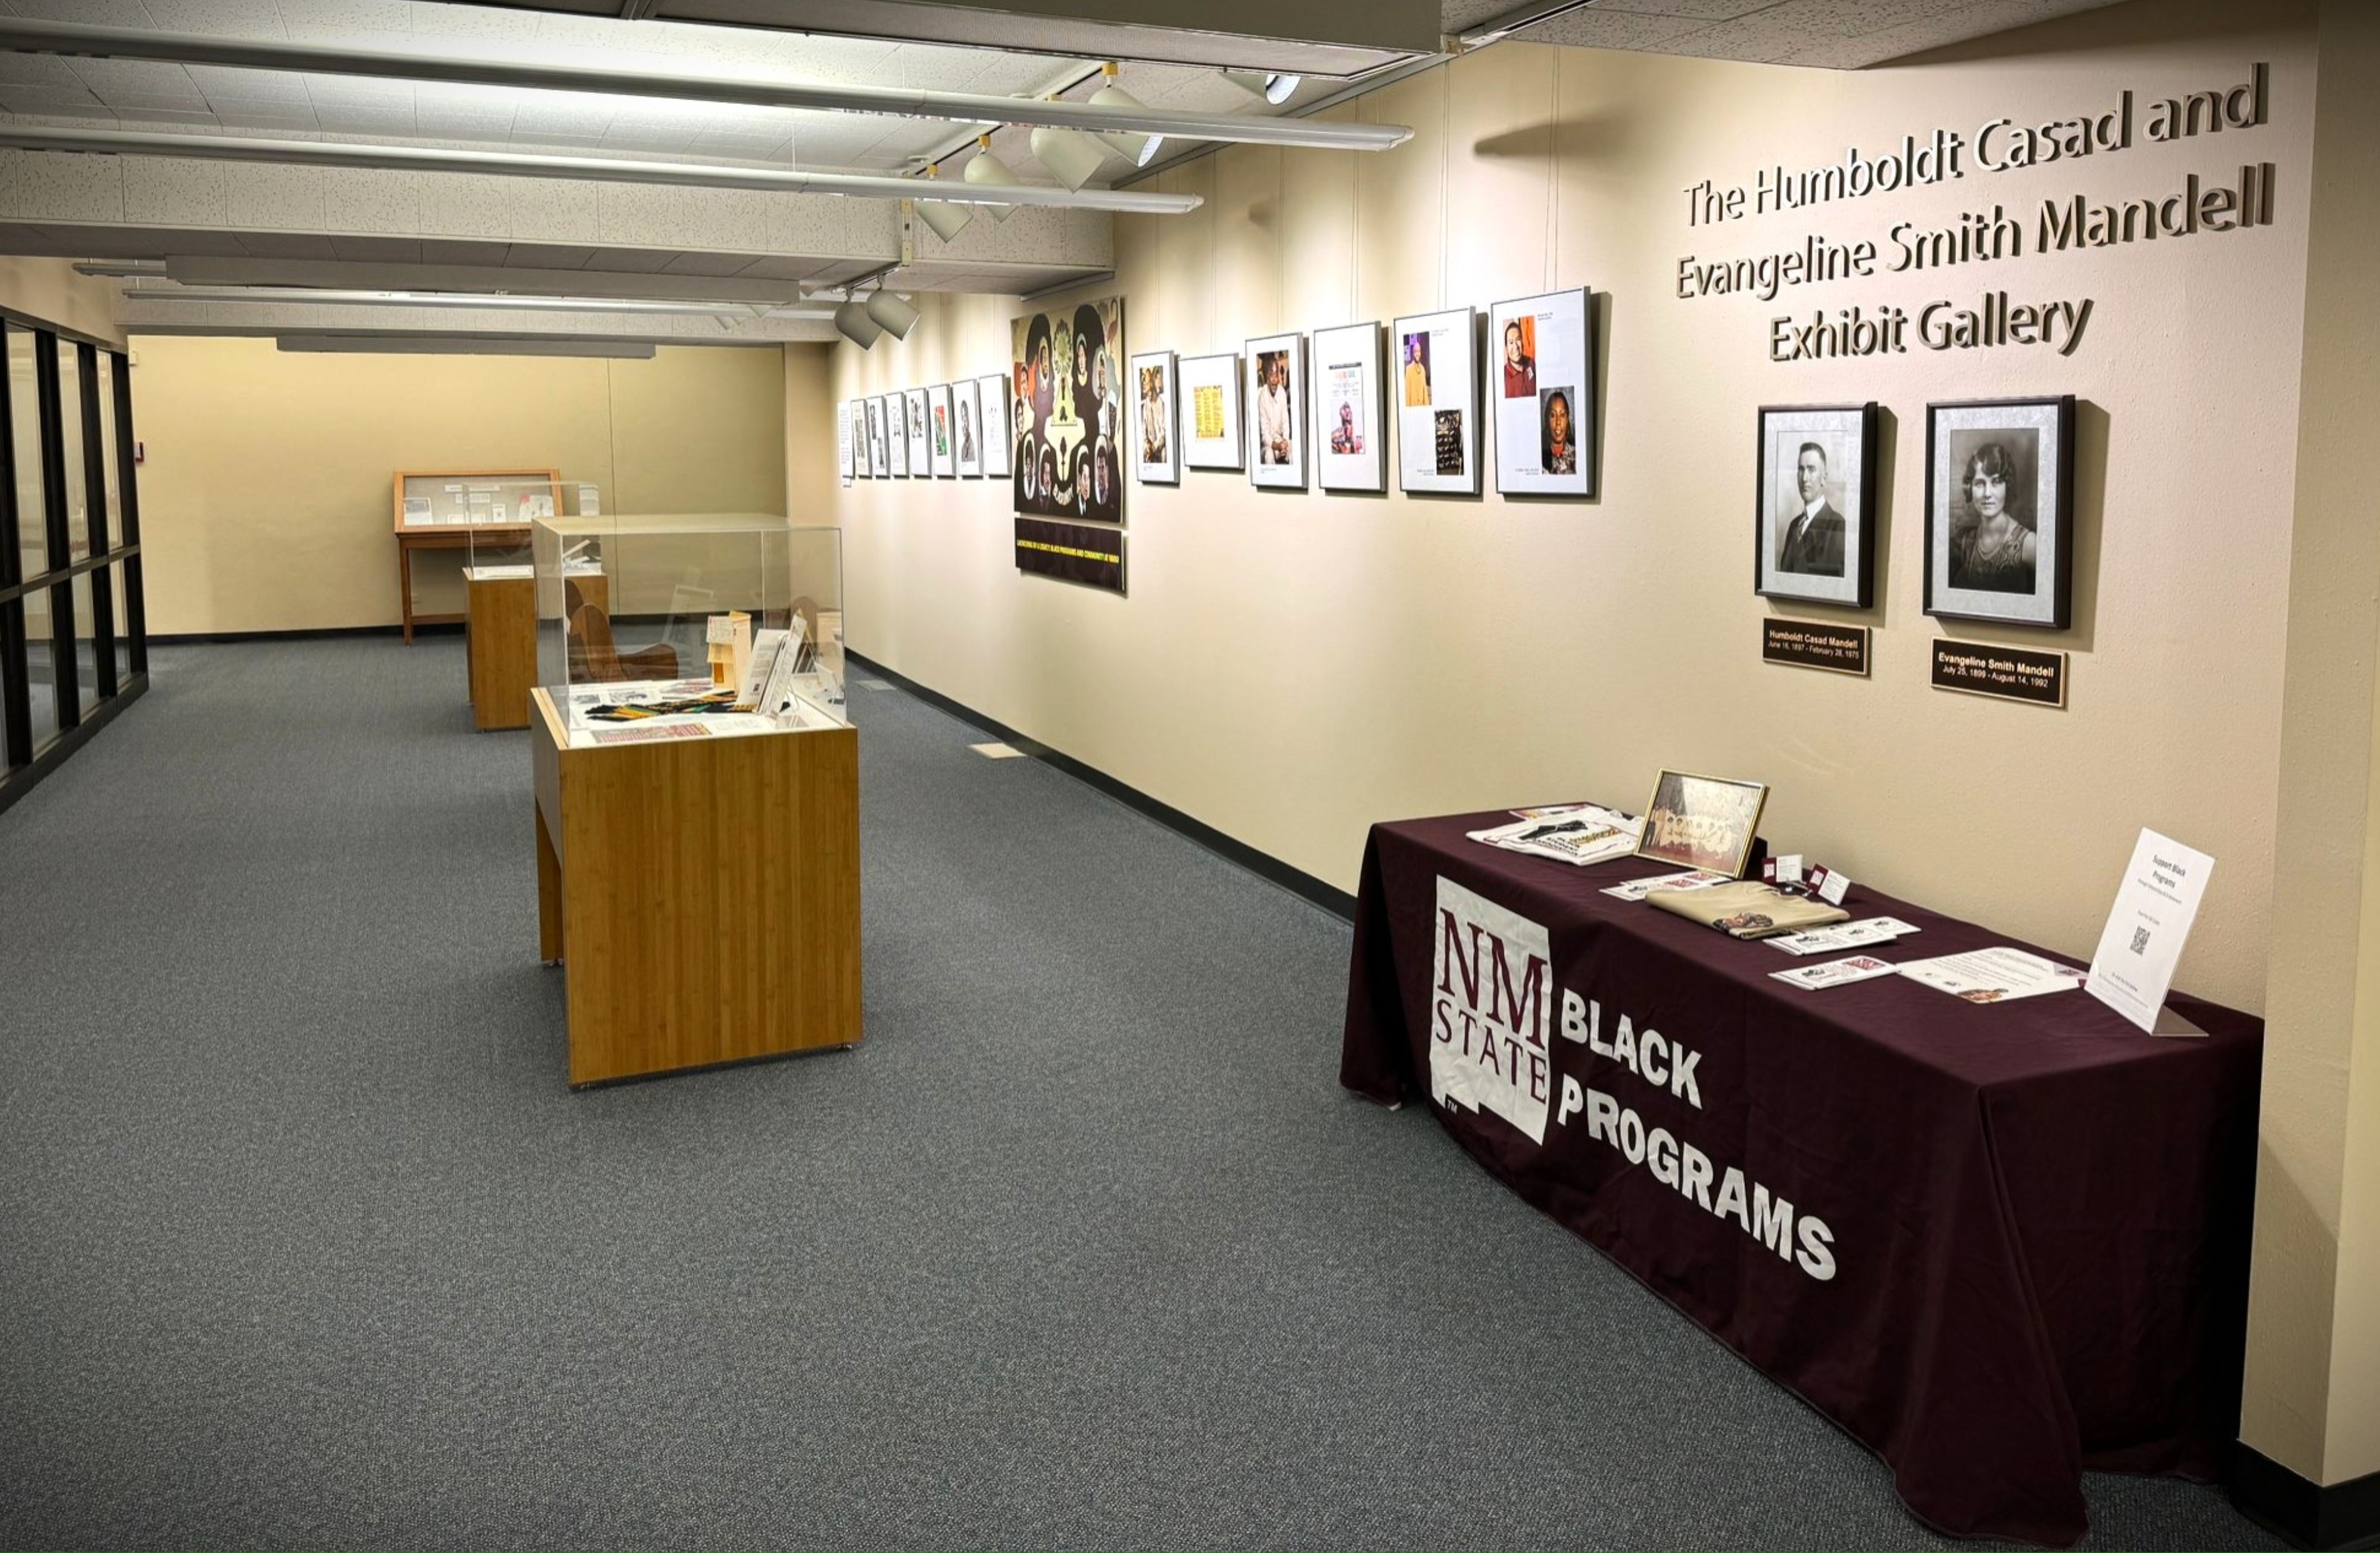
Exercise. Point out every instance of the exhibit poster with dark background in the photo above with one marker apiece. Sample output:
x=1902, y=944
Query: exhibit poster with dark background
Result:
x=1072, y=398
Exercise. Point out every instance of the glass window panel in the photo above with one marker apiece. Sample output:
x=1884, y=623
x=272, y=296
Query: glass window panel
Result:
x=108, y=450
x=123, y=621
x=43, y=676
x=86, y=650
x=71, y=424
x=24, y=432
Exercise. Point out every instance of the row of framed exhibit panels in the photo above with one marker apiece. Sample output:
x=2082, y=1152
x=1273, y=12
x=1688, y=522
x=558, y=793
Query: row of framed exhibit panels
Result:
x=1284, y=404
x=73, y=647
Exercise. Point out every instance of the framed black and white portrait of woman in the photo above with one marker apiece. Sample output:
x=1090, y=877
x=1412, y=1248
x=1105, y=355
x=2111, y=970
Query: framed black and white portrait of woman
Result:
x=1999, y=520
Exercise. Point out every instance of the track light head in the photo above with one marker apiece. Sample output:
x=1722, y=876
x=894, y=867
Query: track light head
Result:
x=1139, y=150
x=896, y=316
x=1270, y=86
x=947, y=219
x=986, y=170
x=851, y=322
x=1070, y=155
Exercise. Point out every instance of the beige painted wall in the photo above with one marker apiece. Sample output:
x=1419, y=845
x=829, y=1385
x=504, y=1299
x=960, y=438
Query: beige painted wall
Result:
x=48, y=289
x=2312, y=1394
x=1292, y=667
x=265, y=496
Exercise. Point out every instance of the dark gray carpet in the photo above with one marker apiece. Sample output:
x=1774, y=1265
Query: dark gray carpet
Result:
x=305, y=1241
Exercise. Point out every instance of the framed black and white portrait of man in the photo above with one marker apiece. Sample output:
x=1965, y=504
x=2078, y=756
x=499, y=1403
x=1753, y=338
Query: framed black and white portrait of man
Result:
x=1813, y=509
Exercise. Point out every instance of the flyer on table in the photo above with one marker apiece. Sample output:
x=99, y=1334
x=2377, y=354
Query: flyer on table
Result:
x=2142, y=944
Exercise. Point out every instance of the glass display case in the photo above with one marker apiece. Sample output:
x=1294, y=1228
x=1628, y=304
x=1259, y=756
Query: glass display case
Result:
x=688, y=626
x=498, y=546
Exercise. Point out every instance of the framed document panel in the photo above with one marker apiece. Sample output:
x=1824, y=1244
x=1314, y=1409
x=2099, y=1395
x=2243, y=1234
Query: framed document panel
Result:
x=1541, y=388
x=1813, y=507
x=994, y=397
x=1350, y=440
x=1210, y=411
x=1156, y=459
x=1999, y=498
x=1437, y=395
x=1276, y=392
x=967, y=402
x=939, y=433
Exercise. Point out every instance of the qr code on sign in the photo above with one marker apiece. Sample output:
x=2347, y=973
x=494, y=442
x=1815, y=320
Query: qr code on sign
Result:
x=2139, y=941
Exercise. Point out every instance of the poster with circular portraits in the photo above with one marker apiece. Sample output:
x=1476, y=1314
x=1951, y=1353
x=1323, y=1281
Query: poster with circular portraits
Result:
x=1814, y=513
x=1072, y=411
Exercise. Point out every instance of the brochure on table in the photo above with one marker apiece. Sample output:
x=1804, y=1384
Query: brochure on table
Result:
x=2141, y=943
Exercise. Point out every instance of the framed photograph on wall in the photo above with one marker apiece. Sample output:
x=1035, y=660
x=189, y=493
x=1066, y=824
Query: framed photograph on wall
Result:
x=1703, y=822
x=896, y=434
x=940, y=433
x=1436, y=387
x=1209, y=388
x=1541, y=385
x=921, y=458
x=874, y=461
x=992, y=397
x=845, y=462
x=1350, y=449
x=1999, y=498
x=1071, y=411
x=966, y=411
x=1155, y=457
x=1276, y=378
x=1813, y=507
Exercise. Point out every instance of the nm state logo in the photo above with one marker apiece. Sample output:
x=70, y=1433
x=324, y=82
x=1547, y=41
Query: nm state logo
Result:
x=1491, y=1003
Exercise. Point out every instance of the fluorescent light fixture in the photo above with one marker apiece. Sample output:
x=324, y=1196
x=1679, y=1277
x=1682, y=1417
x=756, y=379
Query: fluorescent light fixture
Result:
x=1139, y=150
x=851, y=320
x=27, y=36
x=462, y=345
x=985, y=169
x=1070, y=155
x=120, y=269
x=593, y=169
x=323, y=296
x=896, y=316
x=1270, y=86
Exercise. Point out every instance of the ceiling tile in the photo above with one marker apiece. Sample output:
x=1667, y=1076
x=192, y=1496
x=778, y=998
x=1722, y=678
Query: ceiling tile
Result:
x=94, y=13
x=109, y=78
x=641, y=260
x=38, y=69
x=246, y=19
x=546, y=255
x=347, y=20
x=255, y=86
x=436, y=251
x=706, y=264
x=240, y=114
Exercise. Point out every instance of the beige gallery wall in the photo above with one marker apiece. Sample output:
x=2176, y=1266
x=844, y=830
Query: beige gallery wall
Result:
x=1290, y=667
x=265, y=493
x=48, y=289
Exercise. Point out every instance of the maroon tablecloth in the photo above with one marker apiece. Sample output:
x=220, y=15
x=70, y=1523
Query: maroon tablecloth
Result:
x=1998, y=1243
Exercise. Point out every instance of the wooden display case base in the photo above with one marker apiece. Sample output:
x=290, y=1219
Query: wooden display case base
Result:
x=702, y=896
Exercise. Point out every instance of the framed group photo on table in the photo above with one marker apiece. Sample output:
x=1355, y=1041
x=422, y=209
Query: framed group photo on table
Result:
x=1703, y=822
x=1436, y=386
x=2000, y=497
x=1276, y=391
x=1541, y=384
x=1155, y=459
x=1350, y=451
x=995, y=396
x=1210, y=389
x=965, y=410
x=1813, y=505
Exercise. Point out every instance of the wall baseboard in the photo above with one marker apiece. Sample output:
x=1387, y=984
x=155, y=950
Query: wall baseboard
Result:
x=312, y=633
x=2336, y=1515
x=1272, y=869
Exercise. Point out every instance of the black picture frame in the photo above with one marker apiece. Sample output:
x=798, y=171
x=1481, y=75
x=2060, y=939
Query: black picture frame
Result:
x=1852, y=473
x=1968, y=578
